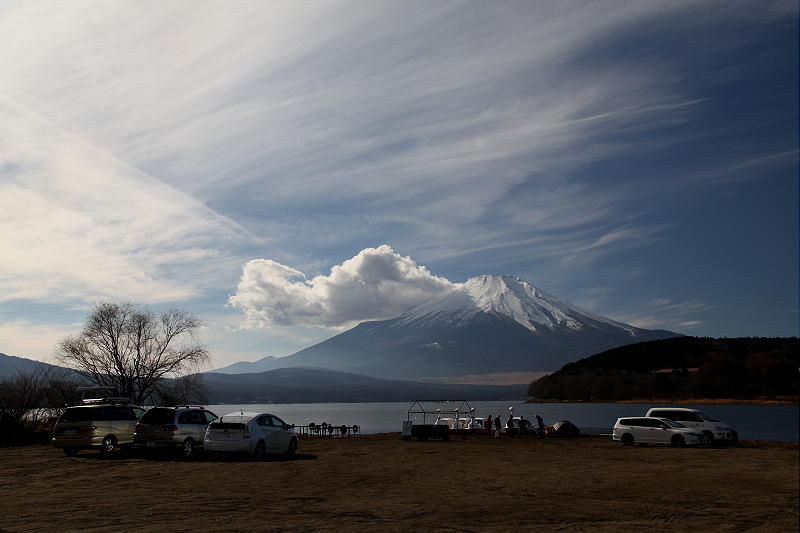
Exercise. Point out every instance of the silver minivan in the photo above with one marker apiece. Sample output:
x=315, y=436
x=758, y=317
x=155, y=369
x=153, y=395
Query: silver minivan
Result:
x=99, y=424
x=176, y=428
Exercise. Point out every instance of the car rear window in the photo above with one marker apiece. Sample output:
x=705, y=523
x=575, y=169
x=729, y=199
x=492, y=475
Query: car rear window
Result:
x=226, y=425
x=158, y=415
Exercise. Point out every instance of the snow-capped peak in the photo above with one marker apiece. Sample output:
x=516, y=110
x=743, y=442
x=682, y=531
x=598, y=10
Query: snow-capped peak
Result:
x=510, y=297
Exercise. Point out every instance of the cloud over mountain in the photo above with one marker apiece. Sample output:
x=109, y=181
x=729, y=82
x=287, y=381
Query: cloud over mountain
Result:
x=376, y=283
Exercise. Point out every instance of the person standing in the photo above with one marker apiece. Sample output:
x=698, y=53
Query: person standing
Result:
x=510, y=425
x=488, y=425
x=497, y=424
x=540, y=426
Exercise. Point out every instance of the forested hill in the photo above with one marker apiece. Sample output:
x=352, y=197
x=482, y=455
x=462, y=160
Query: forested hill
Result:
x=680, y=368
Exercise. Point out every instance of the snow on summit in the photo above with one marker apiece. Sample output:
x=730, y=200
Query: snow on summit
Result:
x=509, y=297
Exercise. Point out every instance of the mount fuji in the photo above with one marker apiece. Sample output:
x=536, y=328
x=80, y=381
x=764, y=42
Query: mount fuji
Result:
x=489, y=324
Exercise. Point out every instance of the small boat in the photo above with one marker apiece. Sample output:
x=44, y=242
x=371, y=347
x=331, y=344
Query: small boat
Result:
x=437, y=418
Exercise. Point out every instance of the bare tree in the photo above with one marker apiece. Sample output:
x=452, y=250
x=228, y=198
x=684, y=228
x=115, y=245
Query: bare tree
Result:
x=133, y=350
x=61, y=391
x=31, y=401
x=23, y=394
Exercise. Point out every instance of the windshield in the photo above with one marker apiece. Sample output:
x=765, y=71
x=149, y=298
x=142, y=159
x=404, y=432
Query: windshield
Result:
x=706, y=417
x=672, y=423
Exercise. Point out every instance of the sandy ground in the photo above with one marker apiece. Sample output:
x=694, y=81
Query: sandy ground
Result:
x=384, y=484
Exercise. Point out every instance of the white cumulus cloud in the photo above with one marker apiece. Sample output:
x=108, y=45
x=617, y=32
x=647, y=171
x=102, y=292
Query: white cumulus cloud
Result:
x=377, y=283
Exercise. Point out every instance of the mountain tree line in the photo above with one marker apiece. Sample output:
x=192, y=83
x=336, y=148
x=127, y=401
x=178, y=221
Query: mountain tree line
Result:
x=30, y=399
x=681, y=368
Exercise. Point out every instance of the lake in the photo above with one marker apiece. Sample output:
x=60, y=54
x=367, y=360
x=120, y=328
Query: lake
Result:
x=753, y=422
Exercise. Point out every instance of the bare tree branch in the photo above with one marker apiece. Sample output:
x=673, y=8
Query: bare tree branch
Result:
x=133, y=350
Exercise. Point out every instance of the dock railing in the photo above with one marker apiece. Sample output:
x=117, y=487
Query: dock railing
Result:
x=326, y=430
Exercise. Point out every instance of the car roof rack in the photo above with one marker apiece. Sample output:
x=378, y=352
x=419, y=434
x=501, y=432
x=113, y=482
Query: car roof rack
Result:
x=109, y=399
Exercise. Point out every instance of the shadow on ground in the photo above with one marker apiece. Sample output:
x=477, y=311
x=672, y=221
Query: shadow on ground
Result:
x=167, y=457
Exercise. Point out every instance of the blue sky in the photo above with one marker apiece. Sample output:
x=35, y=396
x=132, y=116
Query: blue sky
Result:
x=287, y=170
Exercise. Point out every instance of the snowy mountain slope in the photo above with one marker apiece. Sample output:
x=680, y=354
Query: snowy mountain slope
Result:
x=510, y=297
x=489, y=324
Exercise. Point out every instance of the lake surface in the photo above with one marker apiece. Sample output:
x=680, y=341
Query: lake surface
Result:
x=753, y=422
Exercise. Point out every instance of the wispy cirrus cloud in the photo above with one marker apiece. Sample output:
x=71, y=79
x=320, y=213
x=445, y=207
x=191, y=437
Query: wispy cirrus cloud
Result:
x=24, y=338
x=276, y=111
x=666, y=313
x=78, y=225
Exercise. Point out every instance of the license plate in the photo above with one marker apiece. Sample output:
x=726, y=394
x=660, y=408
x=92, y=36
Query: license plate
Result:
x=69, y=432
x=151, y=444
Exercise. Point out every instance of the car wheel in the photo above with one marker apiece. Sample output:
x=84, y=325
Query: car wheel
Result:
x=709, y=436
x=292, y=447
x=70, y=452
x=260, y=450
x=108, y=445
x=187, y=449
x=627, y=439
x=678, y=440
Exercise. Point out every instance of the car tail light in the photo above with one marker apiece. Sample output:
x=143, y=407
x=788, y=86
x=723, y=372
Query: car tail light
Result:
x=138, y=427
x=86, y=429
x=246, y=434
x=169, y=428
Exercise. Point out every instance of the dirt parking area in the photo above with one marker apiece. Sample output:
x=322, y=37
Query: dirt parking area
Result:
x=385, y=484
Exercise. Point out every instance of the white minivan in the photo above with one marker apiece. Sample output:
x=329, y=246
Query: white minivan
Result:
x=254, y=433
x=714, y=430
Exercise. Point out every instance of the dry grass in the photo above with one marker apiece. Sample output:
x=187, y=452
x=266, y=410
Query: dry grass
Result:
x=384, y=484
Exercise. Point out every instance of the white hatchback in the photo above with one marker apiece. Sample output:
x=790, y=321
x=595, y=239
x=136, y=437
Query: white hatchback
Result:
x=255, y=433
x=650, y=430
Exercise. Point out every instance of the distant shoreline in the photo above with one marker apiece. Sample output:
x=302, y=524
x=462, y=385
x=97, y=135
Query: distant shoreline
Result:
x=689, y=401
